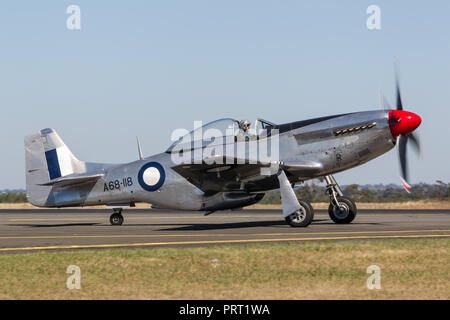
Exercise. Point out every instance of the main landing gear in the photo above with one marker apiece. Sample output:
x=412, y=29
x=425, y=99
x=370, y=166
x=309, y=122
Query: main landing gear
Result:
x=302, y=217
x=116, y=218
x=296, y=213
x=342, y=210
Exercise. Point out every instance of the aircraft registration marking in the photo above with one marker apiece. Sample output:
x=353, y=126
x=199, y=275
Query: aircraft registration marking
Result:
x=117, y=184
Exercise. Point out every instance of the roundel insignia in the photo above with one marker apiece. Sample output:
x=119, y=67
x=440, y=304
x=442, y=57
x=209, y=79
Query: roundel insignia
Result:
x=151, y=176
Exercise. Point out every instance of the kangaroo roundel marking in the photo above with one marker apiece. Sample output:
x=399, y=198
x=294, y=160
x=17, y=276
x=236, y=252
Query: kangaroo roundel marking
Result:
x=151, y=176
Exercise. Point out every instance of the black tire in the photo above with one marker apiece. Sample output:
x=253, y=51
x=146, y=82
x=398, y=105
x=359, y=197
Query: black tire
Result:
x=344, y=215
x=116, y=219
x=302, y=217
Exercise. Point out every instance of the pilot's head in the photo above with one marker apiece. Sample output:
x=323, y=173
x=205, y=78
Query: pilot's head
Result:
x=244, y=125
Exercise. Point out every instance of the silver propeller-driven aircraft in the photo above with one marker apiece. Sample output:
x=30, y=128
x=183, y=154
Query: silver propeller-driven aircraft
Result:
x=220, y=171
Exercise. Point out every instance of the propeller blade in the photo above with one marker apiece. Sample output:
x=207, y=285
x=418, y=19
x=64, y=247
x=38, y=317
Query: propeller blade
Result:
x=416, y=143
x=397, y=86
x=398, y=95
x=386, y=104
x=380, y=95
x=405, y=185
x=402, y=140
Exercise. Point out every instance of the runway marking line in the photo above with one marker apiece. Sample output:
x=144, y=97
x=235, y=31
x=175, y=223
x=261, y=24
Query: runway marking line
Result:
x=214, y=242
x=218, y=234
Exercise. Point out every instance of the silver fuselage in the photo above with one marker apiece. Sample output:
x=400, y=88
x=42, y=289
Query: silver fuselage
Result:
x=334, y=143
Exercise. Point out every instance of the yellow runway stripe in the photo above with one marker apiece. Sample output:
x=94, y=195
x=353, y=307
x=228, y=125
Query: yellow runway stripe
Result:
x=213, y=242
x=217, y=234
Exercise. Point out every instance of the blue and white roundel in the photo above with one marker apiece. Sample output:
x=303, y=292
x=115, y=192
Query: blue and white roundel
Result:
x=151, y=176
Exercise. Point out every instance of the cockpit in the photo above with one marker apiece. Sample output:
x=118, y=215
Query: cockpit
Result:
x=222, y=131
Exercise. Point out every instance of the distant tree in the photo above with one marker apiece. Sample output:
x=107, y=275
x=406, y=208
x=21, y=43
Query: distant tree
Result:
x=12, y=197
x=306, y=192
x=271, y=197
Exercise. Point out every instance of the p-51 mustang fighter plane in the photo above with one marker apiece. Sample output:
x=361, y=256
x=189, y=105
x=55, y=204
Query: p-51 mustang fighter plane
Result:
x=187, y=177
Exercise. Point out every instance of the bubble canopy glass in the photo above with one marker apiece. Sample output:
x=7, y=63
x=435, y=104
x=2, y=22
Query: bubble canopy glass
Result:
x=224, y=127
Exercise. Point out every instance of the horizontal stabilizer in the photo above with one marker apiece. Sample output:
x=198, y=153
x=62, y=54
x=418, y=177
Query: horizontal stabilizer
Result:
x=69, y=181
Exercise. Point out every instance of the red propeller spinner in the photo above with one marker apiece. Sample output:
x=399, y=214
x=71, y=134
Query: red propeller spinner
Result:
x=403, y=122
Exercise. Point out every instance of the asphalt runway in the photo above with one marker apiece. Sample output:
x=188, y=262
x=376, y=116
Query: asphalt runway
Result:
x=61, y=229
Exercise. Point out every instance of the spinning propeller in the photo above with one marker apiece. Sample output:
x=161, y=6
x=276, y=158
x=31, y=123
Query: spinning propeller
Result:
x=402, y=124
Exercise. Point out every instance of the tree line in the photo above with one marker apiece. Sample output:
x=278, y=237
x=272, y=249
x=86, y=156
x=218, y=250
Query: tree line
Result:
x=13, y=197
x=313, y=192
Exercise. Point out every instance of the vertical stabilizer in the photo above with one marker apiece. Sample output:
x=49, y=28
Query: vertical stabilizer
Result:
x=47, y=158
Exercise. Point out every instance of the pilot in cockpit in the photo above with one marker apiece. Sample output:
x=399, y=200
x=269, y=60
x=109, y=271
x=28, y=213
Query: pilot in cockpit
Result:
x=244, y=131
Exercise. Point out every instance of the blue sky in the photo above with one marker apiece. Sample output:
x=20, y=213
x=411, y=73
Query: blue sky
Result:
x=147, y=67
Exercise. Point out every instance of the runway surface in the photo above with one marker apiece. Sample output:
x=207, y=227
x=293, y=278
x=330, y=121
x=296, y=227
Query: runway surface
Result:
x=60, y=229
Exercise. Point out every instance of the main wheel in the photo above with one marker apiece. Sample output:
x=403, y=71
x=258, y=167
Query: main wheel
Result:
x=302, y=217
x=345, y=213
x=116, y=219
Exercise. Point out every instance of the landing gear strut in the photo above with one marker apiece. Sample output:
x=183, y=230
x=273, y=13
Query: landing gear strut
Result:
x=342, y=210
x=116, y=218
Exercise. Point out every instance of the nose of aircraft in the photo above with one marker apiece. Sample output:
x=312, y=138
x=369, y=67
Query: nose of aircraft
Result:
x=403, y=122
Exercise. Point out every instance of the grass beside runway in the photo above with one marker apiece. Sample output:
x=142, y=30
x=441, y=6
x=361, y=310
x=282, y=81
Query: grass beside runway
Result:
x=410, y=269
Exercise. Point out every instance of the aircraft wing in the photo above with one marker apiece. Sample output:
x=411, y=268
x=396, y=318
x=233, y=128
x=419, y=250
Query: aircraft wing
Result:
x=73, y=180
x=220, y=173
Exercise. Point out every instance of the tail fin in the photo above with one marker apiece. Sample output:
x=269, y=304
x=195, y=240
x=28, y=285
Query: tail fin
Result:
x=47, y=158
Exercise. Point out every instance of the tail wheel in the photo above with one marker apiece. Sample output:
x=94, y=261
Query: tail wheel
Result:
x=116, y=219
x=302, y=217
x=345, y=212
